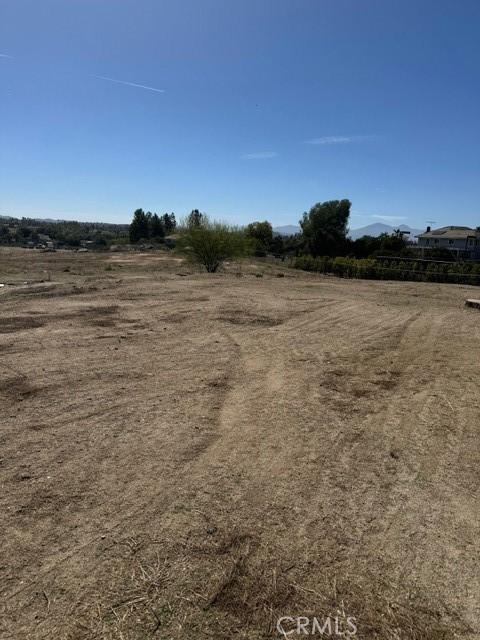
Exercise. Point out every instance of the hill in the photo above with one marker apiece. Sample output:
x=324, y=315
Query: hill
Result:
x=287, y=230
x=377, y=228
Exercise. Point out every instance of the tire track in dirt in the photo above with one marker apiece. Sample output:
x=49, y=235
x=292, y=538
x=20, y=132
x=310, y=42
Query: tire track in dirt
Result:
x=261, y=377
x=393, y=507
x=156, y=503
x=263, y=374
x=293, y=458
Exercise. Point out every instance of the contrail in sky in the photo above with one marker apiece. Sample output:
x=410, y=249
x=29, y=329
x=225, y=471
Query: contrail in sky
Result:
x=130, y=84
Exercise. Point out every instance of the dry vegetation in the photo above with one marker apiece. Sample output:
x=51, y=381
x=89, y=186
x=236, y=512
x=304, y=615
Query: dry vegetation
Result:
x=187, y=455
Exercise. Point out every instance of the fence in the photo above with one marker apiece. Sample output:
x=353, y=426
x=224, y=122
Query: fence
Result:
x=370, y=269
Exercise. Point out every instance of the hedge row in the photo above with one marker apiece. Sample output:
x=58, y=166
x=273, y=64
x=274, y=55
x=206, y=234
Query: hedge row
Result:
x=460, y=273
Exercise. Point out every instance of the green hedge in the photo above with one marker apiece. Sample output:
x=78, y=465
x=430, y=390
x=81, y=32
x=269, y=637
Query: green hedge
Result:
x=460, y=273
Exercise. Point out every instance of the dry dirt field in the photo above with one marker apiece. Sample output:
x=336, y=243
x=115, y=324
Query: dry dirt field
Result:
x=192, y=456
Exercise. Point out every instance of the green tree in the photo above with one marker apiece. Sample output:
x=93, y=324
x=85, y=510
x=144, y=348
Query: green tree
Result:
x=169, y=222
x=366, y=246
x=157, y=230
x=262, y=235
x=195, y=219
x=139, y=227
x=4, y=234
x=24, y=232
x=392, y=244
x=277, y=246
x=324, y=227
x=383, y=245
x=211, y=243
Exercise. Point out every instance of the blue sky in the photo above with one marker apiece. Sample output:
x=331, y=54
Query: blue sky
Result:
x=248, y=109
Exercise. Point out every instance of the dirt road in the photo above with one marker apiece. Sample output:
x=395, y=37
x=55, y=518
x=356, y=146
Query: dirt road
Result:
x=194, y=456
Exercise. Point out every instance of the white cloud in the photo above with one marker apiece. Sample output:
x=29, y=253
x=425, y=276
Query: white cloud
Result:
x=329, y=140
x=130, y=84
x=337, y=139
x=259, y=155
x=389, y=217
x=5, y=55
x=360, y=214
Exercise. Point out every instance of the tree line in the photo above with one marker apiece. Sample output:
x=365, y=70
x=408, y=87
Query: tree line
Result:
x=151, y=226
x=322, y=245
x=324, y=232
x=69, y=233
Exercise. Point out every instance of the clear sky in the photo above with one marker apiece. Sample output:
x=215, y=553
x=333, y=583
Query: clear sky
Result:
x=245, y=109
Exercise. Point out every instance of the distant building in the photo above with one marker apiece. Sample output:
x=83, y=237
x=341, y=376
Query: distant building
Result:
x=463, y=241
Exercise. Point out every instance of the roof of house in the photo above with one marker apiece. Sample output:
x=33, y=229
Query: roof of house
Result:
x=451, y=232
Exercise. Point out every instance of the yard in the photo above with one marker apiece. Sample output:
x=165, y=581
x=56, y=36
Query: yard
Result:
x=186, y=455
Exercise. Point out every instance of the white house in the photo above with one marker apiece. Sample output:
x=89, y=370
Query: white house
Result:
x=463, y=241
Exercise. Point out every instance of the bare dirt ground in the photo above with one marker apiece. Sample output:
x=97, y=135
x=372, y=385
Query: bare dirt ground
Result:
x=193, y=456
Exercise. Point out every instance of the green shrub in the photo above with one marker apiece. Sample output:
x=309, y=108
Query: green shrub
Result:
x=394, y=269
x=211, y=243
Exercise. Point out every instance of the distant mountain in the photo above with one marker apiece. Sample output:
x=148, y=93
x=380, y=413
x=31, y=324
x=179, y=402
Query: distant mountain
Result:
x=378, y=228
x=49, y=220
x=374, y=230
x=287, y=230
